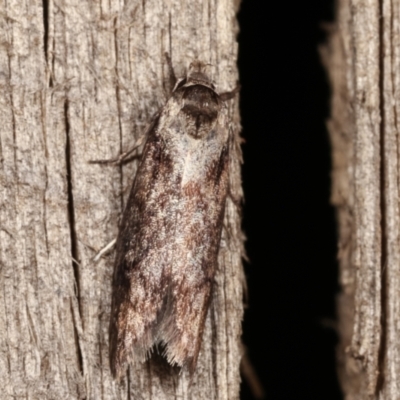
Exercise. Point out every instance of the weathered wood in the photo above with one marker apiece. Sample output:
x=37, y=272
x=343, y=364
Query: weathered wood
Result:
x=363, y=62
x=80, y=81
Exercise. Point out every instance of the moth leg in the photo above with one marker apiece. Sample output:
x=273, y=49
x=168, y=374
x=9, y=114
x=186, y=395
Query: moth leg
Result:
x=172, y=76
x=229, y=95
x=123, y=157
x=104, y=250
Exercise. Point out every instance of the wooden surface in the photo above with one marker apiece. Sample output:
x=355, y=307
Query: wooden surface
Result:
x=363, y=62
x=80, y=81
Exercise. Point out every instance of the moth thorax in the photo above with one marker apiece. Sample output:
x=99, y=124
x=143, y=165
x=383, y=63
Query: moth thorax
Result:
x=201, y=106
x=200, y=126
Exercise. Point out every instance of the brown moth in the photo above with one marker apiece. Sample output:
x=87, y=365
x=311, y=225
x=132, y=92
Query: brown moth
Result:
x=169, y=238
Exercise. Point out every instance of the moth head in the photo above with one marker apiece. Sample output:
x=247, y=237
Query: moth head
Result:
x=197, y=74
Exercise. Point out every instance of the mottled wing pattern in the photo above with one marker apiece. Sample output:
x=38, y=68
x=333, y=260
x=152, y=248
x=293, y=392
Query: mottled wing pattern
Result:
x=142, y=273
x=170, y=232
x=198, y=235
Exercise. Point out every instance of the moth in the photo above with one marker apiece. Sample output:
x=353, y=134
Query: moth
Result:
x=170, y=233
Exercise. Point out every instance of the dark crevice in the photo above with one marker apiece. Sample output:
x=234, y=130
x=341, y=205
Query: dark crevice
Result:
x=102, y=370
x=76, y=338
x=170, y=34
x=384, y=277
x=128, y=379
x=144, y=19
x=46, y=152
x=214, y=340
x=71, y=216
x=118, y=98
x=46, y=38
x=13, y=108
x=46, y=236
x=45, y=27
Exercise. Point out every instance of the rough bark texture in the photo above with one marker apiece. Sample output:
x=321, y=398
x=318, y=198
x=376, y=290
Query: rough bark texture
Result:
x=363, y=61
x=79, y=81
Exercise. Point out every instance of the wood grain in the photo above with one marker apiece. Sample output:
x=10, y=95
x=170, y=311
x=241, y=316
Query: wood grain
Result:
x=362, y=59
x=80, y=81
